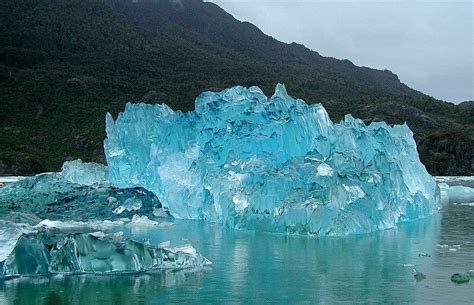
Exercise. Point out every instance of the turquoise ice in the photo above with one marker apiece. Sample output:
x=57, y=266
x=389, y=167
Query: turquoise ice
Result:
x=27, y=250
x=53, y=196
x=273, y=164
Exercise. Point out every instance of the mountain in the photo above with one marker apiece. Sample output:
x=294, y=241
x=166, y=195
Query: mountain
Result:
x=64, y=64
x=468, y=105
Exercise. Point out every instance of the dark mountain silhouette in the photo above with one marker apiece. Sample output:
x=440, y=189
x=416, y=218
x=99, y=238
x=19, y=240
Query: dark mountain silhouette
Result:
x=64, y=64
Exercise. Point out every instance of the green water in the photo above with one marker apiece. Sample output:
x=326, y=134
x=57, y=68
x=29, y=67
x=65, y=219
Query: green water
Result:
x=256, y=268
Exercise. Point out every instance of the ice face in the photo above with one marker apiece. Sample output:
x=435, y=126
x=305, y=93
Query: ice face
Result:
x=273, y=164
x=46, y=251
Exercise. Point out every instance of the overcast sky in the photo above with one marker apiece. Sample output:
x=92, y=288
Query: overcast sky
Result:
x=428, y=44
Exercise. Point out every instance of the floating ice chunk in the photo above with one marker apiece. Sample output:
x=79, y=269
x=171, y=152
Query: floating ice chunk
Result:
x=457, y=194
x=460, y=278
x=455, y=180
x=419, y=276
x=273, y=164
x=92, y=254
x=49, y=252
x=84, y=173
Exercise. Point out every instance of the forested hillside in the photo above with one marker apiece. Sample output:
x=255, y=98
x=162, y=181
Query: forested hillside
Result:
x=64, y=64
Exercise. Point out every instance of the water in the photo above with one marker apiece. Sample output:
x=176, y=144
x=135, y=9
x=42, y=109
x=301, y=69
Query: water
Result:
x=256, y=268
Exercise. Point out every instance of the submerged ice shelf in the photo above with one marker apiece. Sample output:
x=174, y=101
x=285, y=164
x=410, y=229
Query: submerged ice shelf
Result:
x=273, y=164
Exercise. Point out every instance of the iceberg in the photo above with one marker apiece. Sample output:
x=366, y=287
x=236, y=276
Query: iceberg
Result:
x=53, y=196
x=41, y=251
x=272, y=164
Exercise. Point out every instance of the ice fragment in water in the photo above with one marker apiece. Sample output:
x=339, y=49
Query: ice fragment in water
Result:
x=419, y=276
x=272, y=164
x=43, y=252
x=456, y=194
x=459, y=278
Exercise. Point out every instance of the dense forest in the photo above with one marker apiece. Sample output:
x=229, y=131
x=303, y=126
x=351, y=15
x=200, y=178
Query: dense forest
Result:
x=64, y=64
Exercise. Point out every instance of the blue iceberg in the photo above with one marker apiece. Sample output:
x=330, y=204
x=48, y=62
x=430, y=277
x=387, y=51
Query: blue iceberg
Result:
x=30, y=251
x=272, y=164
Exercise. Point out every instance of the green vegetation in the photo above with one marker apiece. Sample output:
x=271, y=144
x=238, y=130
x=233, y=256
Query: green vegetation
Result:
x=64, y=64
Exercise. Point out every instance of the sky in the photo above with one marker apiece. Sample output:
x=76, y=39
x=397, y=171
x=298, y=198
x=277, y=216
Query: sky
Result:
x=428, y=44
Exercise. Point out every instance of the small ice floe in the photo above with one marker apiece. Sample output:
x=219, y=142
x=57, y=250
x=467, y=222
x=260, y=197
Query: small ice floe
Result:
x=453, y=179
x=452, y=248
x=456, y=194
x=469, y=204
x=408, y=265
x=419, y=276
x=25, y=252
x=423, y=254
x=460, y=278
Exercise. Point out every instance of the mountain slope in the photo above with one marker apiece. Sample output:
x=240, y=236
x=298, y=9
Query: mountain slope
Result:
x=64, y=64
x=207, y=25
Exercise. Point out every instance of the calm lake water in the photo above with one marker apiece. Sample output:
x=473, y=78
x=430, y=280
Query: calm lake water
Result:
x=257, y=268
